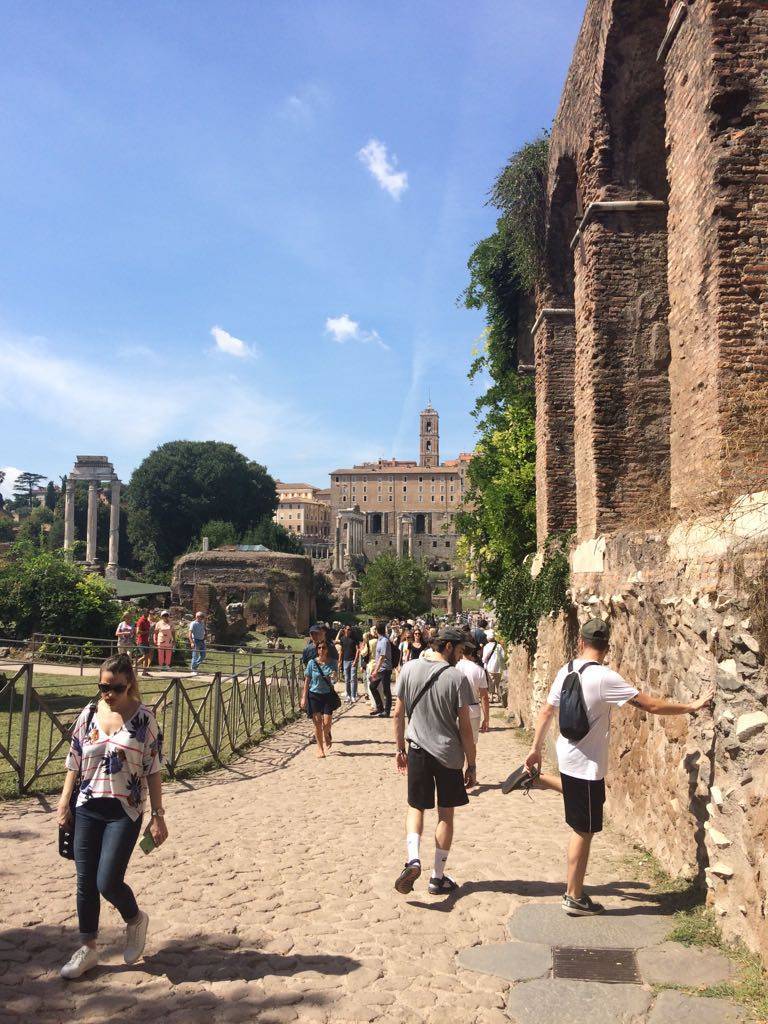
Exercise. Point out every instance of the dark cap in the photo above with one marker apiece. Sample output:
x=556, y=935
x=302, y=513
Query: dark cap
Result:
x=595, y=629
x=317, y=628
x=452, y=635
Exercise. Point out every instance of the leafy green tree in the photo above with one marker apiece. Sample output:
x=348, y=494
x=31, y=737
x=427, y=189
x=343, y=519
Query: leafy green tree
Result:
x=24, y=486
x=273, y=536
x=395, y=586
x=43, y=592
x=497, y=521
x=51, y=495
x=33, y=527
x=183, y=484
x=322, y=589
x=218, y=532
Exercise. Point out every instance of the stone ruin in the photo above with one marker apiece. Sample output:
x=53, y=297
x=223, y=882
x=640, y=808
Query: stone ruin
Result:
x=651, y=363
x=244, y=589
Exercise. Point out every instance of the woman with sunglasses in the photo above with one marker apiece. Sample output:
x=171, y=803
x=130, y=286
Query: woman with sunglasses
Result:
x=319, y=677
x=115, y=758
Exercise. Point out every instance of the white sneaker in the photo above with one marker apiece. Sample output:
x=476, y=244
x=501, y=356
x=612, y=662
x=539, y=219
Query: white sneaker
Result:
x=82, y=960
x=135, y=938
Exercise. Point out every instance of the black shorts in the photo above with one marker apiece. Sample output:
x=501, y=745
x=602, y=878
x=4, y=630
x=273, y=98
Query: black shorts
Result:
x=425, y=773
x=583, y=799
x=319, y=704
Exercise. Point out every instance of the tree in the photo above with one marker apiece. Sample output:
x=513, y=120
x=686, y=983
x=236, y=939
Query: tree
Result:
x=322, y=589
x=273, y=536
x=395, y=586
x=43, y=592
x=218, y=532
x=51, y=495
x=2, y=479
x=183, y=484
x=24, y=486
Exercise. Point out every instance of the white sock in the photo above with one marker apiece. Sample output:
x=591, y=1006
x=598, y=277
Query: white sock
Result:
x=441, y=856
x=412, y=841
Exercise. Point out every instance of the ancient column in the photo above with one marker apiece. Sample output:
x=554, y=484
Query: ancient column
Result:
x=114, y=529
x=69, y=514
x=93, y=497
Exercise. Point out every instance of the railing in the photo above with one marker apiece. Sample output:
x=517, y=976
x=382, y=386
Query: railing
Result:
x=203, y=722
x=88, y=652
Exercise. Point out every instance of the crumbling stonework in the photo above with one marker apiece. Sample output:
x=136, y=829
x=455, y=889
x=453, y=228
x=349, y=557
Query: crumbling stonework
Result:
x=275, y=589
x=652, y=415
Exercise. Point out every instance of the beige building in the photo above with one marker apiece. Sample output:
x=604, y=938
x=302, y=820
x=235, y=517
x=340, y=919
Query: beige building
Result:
x=302, y=512
x=406, y=507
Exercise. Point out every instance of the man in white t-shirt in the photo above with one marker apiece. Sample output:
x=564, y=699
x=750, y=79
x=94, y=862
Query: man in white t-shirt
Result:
x=494, y=662
x=583, y=762
x=476, y=676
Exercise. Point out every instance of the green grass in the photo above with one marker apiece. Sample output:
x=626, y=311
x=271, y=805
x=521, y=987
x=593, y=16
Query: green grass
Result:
x=694, y=924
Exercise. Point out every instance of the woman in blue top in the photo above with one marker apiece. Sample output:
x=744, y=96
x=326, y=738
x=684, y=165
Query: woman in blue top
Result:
x=318, y=696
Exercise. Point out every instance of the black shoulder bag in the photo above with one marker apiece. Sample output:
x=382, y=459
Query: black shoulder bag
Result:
x=67, y=835
x=335, y=699
x=573, y=718
x=427, y=686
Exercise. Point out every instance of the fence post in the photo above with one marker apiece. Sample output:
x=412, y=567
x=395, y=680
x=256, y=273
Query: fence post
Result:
x=262, y=696
x=233, y=660
x=25, y=710
x=32, y=649
x=81, y=659
x=216, y=714
x=175, y=703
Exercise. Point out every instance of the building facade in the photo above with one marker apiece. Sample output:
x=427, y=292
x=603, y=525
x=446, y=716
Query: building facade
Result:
x=406, y=507
x=303, y=512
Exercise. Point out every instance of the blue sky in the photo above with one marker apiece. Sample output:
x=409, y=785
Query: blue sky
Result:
x=250, y=221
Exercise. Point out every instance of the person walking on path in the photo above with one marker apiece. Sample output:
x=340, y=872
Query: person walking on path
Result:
x=317, y=634
x=583, y=762
x=495, y=662
x=114, y=761
x=476, y=675
x=197, y=635
x=143, y=643
x=436, y=698
x=349, y=649
x=125, y=634
x=381, y=676
x=163, y=637
x=319, y=696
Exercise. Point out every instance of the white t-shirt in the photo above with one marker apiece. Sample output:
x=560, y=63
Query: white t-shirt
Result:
x=602, y=689
x=475, y=676
x=493, y=656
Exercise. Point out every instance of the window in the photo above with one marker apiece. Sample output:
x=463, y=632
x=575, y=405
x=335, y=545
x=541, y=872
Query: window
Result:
x=434, y=543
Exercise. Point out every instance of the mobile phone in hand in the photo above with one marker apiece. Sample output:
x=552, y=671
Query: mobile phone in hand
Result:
x=147, y=843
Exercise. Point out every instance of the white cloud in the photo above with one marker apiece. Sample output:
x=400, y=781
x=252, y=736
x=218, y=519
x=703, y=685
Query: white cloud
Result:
x=11, y=473
x=343, y=328
x=382, y=166
x=226, y=342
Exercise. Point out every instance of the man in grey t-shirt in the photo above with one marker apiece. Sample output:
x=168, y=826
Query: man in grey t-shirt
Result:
x=437, y=698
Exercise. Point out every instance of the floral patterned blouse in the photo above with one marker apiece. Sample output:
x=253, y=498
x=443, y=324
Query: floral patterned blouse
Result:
x=117, y=765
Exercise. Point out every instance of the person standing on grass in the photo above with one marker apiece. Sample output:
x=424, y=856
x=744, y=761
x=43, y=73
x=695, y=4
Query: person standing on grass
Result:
x=125, y=634
x=436, y=698
x=495, y=663
x=115, y=756
x=143, y=643
x=381, y=676
x=163, y=637
x=317, y=696
x=583, y=762
x=349, y=649
x=197, y=636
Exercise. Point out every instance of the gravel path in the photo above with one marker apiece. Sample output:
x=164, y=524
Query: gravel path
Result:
x=273, y=899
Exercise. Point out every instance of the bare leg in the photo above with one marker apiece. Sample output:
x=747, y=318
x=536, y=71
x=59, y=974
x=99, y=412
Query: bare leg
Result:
x=318, y=722
x=548, y=782
x=444, y=830
x=578, y=855
x=327, y=719
x=414, y=821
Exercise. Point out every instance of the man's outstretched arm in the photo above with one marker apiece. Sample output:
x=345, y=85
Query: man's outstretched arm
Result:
x=546, y=715
x=657, y=706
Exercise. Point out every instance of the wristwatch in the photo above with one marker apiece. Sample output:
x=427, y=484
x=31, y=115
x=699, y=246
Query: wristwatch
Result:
x=401, y=751
x=158, y=813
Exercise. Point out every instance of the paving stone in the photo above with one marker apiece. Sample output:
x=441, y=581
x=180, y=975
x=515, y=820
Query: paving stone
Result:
x=673, y=964
x=514, y=961
x=676, y=1008
x=626, y=928
x=553, y=1001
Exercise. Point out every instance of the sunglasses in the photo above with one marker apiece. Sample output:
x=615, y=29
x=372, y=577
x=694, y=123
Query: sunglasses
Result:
x=113, y=687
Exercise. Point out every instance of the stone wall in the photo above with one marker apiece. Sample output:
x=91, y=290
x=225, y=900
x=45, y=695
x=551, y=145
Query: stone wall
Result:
x=275, y=589
x=690, y=789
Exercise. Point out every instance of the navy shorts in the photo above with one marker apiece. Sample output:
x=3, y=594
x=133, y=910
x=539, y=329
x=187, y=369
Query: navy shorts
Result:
x=319, y=704
x=583, y=799
x=426, y=774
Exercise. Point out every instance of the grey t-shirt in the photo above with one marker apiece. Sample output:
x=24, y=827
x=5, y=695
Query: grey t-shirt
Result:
x=434, y=725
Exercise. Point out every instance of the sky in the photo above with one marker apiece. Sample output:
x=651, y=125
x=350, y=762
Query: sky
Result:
x=250, y=221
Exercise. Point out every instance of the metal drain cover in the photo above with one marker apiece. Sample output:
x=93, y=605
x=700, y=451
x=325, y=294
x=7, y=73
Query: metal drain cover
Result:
x=617, y=966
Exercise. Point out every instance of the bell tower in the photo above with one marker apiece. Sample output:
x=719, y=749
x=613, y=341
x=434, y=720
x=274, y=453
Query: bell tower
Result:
x=429, y=438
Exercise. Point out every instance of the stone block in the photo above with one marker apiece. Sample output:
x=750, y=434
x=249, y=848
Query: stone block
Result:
x=546, y=923
x=750, y=724
x=513, y=961
x=671, y=963
x=561, y=1001
x=676, y=1008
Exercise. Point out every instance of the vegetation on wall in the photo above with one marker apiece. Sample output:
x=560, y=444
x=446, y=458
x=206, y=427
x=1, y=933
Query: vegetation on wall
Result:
x=272, y=535
x=497, y=521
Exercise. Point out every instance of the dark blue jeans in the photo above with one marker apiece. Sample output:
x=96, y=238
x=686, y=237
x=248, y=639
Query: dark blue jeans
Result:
x=104, y=840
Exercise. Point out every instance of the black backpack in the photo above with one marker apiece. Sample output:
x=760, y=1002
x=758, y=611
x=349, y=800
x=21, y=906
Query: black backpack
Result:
x=574, y=723
x=394, y=652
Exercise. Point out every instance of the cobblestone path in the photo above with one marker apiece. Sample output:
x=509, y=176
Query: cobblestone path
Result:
x=273, y=899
